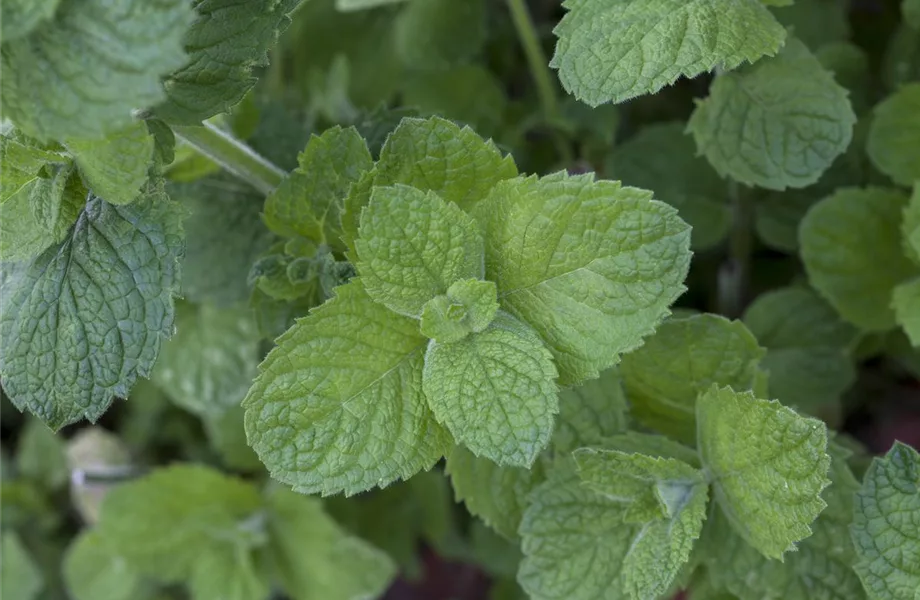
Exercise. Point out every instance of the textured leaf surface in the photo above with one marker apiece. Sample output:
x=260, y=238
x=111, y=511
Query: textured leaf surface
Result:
x=21, y=160
x=226, y=40
x=614, y=51
x=20, y=17
x=778, y=123
x=86, y=318
x=469, y=306
x=844, y=239
x=209, y=364
x=338, y=406
x=93, y=571
x=768, y=466
x=21, y=237
x=56, y=202
x=495, y=391
x=885, y=529
x=115, y=167
x=413, y=245
x=591, y=265
x=61, y=82
x=683, y=358
x=591, y=412
x=894, y=136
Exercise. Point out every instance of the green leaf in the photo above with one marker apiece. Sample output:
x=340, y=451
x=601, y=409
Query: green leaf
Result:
x=209, y=364
x=910, y=226
x=469, y=306
x=844, y=238
x=816, y=22
x=227, y=436
x=894, y=136
x=181, y=513
x=468, y=94
x=308, y=201
x=413, y=245
x=22, y=160
x=20, y=578
x=550, y=239
x=910, y=10
x=664, y=377
x=338, y=404
x=229, y=573
x=93, y=571
x=56, y=202
x=906, y=304
x=662, y=158
x=807, y=346
x=60, y=82
x=115, y=167
x=21, y=237
x=768, y=466
x=591, y=412
x=776, y=124
x=78, y=328
x=614, y=51
x=434, y=34
x=316, y=559
x=20, y=17
x=650, y=444
x=495, y=391
x=225, y=42
x=40, y=456
x=495, y=494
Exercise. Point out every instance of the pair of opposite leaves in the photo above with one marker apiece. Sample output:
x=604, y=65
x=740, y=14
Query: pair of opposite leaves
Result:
x=460, y=323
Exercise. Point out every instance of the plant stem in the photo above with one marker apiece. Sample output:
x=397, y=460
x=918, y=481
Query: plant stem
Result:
x=539, y=70
x=735, y=273
x=232, y=155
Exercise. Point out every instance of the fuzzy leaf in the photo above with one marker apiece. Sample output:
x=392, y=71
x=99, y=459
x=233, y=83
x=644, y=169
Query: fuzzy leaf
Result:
x=894, y=136
x=115, y=167
x=21, y=161
x=20, y=17
x=56, y=202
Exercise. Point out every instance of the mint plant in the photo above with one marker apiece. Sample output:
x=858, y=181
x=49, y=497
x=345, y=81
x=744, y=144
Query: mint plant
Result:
x=320, y=299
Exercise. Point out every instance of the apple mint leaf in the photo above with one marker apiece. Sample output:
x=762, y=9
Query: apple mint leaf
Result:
x=20, y=17
x=768, y=465
x=549, y=239
x=662, y=158
x=413, y=245
x=40, y=456
x=683, y=358
x=93, y=571
x=115, y=167
x=182, y=513
x=469, y=94
x=209, y=364
x=906, y=305
x=84, y=319
x=435, y=34
x=230, y=573
x=844, y=238
x=20, y=577
x=338, y=404
x=225, y=42
x=56, y=201
x=668, y=497
x=894, y=135
x=885, y=530
x=614, y=51
x=308, y=201
x=650, y=444
x=315, y=558
x=60, y=82
x=807, y=346
x=495, y=494
x=591, y=412
x=776, y=124
x=468, y=307
x=22, y=160
x=495, y=391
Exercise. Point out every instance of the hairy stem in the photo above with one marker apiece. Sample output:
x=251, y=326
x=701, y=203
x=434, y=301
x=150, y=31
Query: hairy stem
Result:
x=232, y=155
x=735, y=273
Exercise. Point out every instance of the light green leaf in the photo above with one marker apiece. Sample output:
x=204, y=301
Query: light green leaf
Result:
x=495, y=494
x=338, y=405
x=181, y=513
x=226, y=40
x=662, y=158
x=21, y=237
x=494, y=391
x=614, y=51
x=434, y=34
x=894, y=136
x=93, y=571
x=776, y=124
x=664, y=377
x=78, y=329
x=22, y=159
x=768, y=466
x=115, y=167
x=844, y=238
x=20, y=17
x=413, y=245
x=468, y=307
x=227, y=436
x=229, y=573
x=885, y=530
x=316, y=559
x=20, y=578
x=40, y=456
x=209, y=364
x=60, y=82
x=906, y=304
x=437, y=155
x=56, y=202
x=550, y=239
x=308, y=201
x=468, y=94
x=591, y=412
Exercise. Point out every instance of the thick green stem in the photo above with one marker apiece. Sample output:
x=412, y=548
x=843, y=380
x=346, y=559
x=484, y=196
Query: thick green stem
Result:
x=232, y=155
x=735, y=273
